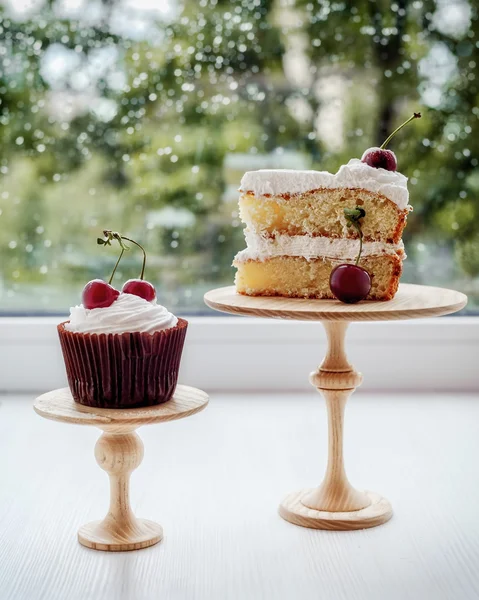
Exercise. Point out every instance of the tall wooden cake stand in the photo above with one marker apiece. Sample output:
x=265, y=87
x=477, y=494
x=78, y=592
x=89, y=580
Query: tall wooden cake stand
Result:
x=335, y=504
x=119, y=451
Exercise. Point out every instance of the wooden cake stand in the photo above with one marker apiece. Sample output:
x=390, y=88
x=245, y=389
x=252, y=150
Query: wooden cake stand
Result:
x=335, y=504
x=119, y=451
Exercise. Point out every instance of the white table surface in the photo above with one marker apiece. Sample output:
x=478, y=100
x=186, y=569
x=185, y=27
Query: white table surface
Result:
x=214, y=482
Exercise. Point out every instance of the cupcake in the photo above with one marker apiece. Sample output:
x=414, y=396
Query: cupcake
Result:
x=121, y=349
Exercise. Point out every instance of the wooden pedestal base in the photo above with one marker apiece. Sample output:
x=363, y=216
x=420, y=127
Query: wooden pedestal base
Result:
x=106, y=535
x=335, y=504
x=293, y=510
x=119, y=451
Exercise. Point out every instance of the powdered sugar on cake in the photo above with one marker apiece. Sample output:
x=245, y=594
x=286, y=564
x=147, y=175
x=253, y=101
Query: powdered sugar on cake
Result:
x=356, y=174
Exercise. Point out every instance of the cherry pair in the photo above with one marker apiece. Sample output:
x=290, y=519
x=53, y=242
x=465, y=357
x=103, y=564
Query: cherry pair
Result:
x=100, y=294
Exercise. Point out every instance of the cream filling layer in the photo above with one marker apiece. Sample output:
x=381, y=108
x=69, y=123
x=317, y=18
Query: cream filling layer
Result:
x=261, y=248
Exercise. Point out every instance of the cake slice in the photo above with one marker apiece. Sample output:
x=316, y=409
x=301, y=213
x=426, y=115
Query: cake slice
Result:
x=313, y=202
x=297, y=232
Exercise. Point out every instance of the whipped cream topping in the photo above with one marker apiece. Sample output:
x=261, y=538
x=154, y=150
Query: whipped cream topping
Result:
x=128, y=314
x=261, y=248
x=284, y=181
x=356, y=174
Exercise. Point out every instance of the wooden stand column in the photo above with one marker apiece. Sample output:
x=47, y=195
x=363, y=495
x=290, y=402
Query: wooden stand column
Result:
x=336, y=379
x=119, y=453
x=335, y=504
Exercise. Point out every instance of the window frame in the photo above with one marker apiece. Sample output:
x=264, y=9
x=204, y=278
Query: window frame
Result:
x=241, y=354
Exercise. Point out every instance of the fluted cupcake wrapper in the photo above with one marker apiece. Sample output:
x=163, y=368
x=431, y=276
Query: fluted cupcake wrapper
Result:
x=125, y=370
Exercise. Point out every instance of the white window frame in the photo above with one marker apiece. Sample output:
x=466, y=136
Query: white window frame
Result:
x=239, y=354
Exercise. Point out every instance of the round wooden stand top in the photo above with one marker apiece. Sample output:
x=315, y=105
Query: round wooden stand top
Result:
x=410, y=302
x=59, y=405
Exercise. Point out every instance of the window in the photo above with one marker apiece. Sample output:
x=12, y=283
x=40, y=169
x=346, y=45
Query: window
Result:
x=141, y=116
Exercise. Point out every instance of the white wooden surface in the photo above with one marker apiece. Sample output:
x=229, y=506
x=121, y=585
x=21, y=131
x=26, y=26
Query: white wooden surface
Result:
x=215, y=480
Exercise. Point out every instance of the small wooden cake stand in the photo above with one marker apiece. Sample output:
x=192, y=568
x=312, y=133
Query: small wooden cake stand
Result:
x=119, y=451
x=335, y=504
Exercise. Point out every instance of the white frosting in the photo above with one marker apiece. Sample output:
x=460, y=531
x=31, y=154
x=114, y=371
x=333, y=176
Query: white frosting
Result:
x=284, y=181
x=391, y=184
x=128, y=314
x=355, y=174
x=261, y=248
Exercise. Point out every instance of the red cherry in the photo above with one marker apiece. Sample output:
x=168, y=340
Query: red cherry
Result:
x=140, y=287
x=380, y=159
x=350, y=283
x=99, y=294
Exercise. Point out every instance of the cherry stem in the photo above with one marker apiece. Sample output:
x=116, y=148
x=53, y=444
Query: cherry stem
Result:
x=388, y=139
x=142, y=274
x=358, y=228
x=114, y=235
x=353, y=215
x=117, y=263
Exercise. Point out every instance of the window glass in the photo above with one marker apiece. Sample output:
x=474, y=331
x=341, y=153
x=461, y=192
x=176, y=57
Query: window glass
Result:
x=141, y=116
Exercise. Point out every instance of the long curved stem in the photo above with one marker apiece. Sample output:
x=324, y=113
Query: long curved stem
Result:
x=389, y=138
x=360, y=243
x=142, y=274
x=116, y=265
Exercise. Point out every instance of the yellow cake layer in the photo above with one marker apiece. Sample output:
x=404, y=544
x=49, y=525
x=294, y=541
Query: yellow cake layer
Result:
x=321, y=212
x=298, y=277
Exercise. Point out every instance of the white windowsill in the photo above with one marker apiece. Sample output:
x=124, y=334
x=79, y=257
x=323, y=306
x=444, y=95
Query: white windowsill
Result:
x=245, y=354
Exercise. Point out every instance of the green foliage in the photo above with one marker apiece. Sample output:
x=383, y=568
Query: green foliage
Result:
x=467, y=254
x=151, y=130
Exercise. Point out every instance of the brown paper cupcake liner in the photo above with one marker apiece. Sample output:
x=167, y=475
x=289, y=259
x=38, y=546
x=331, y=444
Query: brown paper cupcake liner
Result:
x=125, y=370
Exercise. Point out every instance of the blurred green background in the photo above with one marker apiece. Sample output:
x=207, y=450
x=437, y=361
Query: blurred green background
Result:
x=142, y=115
